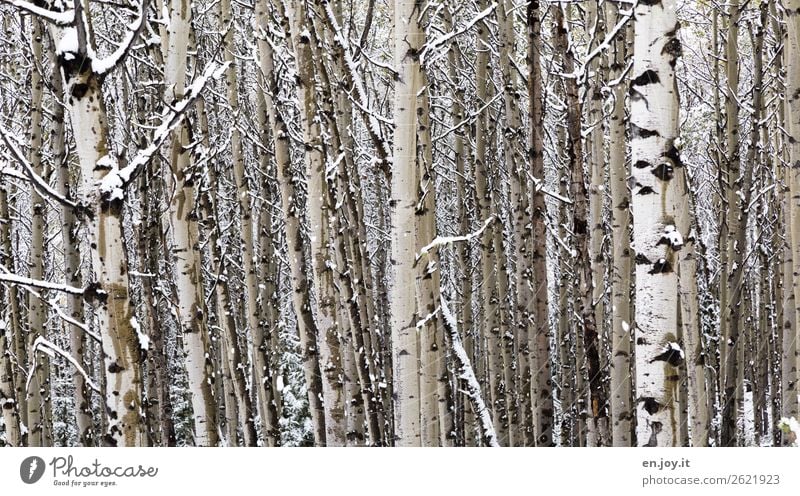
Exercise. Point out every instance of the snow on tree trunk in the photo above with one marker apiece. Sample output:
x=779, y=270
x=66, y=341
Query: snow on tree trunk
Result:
x=109, y=293
x=259, y=347
x=72, y=268
x=490, y=328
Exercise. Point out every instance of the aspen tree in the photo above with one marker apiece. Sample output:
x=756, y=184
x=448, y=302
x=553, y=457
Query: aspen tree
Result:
x=301, y=302
x=596, y=411
x=39, y=388
x=656, y=193
x=185, y=234
x=792, y=116
x=408, y=40
x=490, y=329
x=319, y=223
x=737, y=200
x=72, y=264
x=621, y=321
x=541, y=392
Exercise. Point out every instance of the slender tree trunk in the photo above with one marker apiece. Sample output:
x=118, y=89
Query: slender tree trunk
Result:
x=409, y=38
x=738, y=195
x=599, y=428
x=793, y=126
x=621, y=321
x=654, y=129
x=269, y=310
x=186, y=248
x=306, y=326
x=490, y=329
x=318, y=212
x=597, y=416
x=541, y=393
x=72, y=268
x=39, y=389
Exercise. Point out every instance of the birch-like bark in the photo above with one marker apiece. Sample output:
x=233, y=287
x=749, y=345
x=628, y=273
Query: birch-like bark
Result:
x=259, y=347
x=541, y=393
x=269, y=311
x=656, y=195
x=436, y=411
x=598, y=429
x=408, y=40
x=108, y=294
x=301, y=302
x=792, y=9
x=186, y=240
x=39, y=388
x=597, y=409
x=318, y=211
x=621, y=321
x=466, y=427
x=14, y=349
x=72, y=266
x=490, y=328
x=521, y=426
x=737, y=199
x=697, y=395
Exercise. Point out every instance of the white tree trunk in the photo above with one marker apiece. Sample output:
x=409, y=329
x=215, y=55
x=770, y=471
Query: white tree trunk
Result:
x=408, y=39
x=186, y=242
x=656, y=196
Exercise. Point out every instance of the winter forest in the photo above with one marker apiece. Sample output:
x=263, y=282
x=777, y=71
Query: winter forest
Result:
x=399, y=222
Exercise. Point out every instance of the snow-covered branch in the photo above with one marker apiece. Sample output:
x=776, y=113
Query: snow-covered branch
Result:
x=52, y=303
x=8, y=277
x=441, y=40
x=446, y=240
x=104, y=66
x=113, y=184
x=371, y=117
x=51, y=349
x=40, y=184
x=466, y=373
x=58, y=18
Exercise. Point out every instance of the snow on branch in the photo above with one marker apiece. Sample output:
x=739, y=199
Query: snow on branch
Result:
x=40, y=184
x=581, y=72
x=51, y=349
x=441, y=40
x=102, y=67
x=371, y=117
x=52, y=303
x=113, y=184
x=58, y=18
x=466, y=373
x=446, y=240
x=8, y=277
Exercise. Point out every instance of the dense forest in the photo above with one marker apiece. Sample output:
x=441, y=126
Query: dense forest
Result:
x=399, y=222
